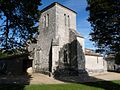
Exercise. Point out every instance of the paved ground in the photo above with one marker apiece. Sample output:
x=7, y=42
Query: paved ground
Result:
x=44, y=79
x=108, y=76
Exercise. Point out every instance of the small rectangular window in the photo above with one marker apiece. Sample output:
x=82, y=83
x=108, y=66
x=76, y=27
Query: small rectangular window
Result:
x=97, y=60
x=103, y=63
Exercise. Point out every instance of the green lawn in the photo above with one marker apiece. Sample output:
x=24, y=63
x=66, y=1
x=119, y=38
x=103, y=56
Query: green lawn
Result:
x=102, y=85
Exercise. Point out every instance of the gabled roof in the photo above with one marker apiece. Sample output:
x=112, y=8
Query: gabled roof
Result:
x=56, y=3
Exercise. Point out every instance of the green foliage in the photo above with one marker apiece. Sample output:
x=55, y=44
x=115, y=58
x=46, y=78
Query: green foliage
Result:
x=105, y=21
x=12, y=53
x=3, y=54
x=18, y=20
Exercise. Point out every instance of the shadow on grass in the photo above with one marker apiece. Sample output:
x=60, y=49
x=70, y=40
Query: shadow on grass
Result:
x=91, y=81
x=18, y=79
x=14, y=82
x=12, y=87
x=106, y=85
x=13, y=74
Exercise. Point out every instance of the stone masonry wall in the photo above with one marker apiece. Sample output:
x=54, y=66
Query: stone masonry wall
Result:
x=62, y=30
x=62, y=34
x=80, y=54
x=45, y=39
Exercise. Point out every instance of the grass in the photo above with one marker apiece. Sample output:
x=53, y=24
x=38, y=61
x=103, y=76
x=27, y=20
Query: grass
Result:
x=101, y=85
x=60, y=87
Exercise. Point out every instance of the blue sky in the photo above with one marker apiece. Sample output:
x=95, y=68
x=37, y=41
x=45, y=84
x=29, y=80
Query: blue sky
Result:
x=83, y=26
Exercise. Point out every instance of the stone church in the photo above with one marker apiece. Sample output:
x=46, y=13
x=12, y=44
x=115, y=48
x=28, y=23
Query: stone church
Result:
x=59, y=46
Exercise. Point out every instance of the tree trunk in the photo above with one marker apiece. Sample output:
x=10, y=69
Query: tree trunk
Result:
x=6, y=34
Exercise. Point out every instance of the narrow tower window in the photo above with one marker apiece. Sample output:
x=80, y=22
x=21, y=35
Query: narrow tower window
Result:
x=65, y=19
x=68, y=21
x=44, y=21
x=97, y=60
x=47, y=20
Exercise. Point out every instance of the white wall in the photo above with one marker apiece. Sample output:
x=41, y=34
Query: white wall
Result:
x=95, y=64
x=55, y=57
x=81, y=42
x=80, y=53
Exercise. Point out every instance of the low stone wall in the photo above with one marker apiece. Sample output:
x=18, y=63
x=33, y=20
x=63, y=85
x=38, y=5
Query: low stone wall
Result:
x=13, y=65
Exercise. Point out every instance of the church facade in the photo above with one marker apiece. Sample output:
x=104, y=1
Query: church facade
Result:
x=59, y=46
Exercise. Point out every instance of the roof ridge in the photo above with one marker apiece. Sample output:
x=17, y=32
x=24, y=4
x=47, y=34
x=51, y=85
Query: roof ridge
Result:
x=53, y=4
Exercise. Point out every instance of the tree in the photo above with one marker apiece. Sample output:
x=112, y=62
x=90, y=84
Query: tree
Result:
x=18, y=20
x=104, y=16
